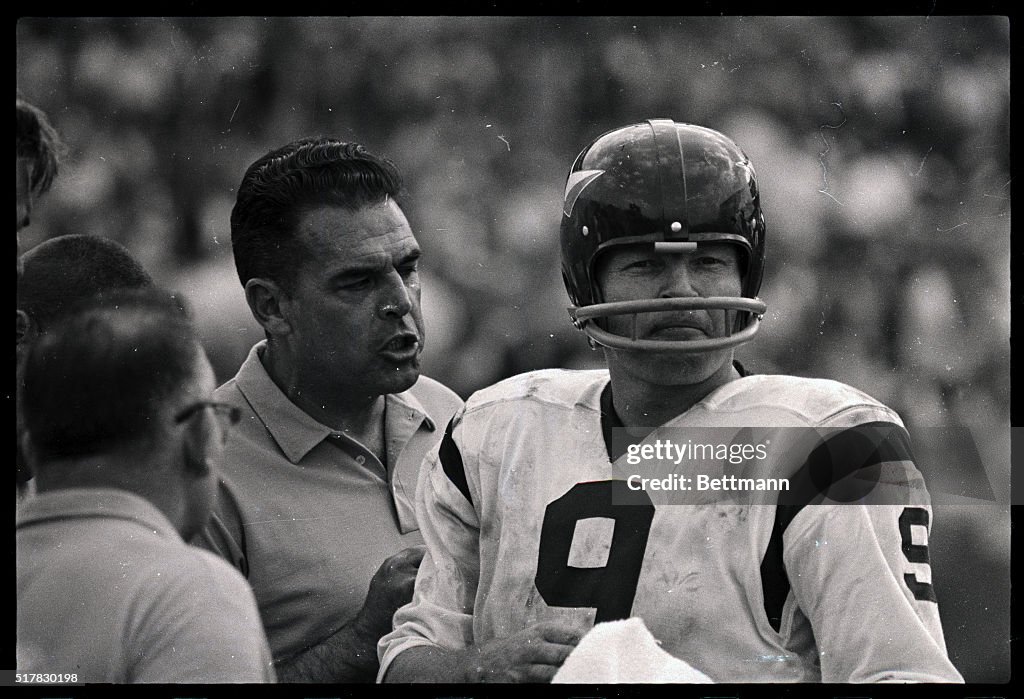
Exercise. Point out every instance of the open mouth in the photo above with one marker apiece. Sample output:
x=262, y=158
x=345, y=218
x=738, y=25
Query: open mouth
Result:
x=402, y=344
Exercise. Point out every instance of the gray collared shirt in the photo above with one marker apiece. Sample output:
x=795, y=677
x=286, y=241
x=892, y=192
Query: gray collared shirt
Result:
x=307, y=513
x=109, y=592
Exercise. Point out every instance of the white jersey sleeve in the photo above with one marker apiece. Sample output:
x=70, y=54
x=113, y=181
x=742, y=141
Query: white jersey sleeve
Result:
x=860, y=571
x=441, y=610
x=860, y=575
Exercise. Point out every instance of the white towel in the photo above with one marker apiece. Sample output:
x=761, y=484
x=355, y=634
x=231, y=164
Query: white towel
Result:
x=624, y=652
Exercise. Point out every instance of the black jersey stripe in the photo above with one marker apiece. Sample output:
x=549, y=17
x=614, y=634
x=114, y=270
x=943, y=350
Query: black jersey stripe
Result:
x=451, y=461
x=609, y=422
x=858, y=449
x=774, y=581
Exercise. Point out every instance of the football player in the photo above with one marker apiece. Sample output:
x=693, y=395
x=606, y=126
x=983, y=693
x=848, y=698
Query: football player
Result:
x=539, y=510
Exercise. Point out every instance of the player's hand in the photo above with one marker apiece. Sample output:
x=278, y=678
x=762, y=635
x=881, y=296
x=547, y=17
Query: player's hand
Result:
x=532, y=655
x=390, y=588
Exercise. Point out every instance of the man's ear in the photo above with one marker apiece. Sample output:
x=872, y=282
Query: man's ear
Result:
x=24, y=326
x=269, y=305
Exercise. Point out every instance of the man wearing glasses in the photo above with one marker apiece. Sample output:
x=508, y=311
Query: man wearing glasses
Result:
x=123, y=439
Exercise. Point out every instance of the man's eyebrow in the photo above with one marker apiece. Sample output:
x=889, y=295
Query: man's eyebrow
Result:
x=411, y=256
x=361, y=267
x=355, y=268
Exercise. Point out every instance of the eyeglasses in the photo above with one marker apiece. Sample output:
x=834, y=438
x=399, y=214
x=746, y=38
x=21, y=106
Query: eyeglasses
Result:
x=227, y=415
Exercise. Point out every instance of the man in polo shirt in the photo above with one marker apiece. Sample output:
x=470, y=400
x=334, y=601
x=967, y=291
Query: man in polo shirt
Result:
x=316, y=505
x=124, y=441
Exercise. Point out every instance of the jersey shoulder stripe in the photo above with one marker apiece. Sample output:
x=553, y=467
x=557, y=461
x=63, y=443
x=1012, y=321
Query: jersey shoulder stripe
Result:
x=845, y=467
x=451, y=461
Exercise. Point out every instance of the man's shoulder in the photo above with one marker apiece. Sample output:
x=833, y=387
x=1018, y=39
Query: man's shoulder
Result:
x=565, y=388
x=191, y=573
x=197, y=600
x=213, y=569
x=157, y=566
x=809, y=400
x=437, y=399
x=228, y=391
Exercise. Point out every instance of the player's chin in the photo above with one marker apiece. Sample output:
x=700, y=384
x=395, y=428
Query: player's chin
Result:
x=673, y=368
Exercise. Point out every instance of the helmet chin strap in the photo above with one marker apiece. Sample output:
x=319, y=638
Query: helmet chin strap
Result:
x=583, y=317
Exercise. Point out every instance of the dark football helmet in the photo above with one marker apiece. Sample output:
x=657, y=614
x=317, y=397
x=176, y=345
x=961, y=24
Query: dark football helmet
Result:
x=673, y=186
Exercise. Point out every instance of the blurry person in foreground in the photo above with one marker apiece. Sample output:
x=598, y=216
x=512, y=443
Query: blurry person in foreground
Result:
x=53, y=277
x=123, y=438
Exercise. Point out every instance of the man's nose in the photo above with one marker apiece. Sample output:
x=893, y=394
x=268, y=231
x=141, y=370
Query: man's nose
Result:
x=677, y=278
x=396, y=300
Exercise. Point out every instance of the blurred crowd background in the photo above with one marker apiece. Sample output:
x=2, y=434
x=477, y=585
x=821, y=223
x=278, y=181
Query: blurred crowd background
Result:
x=881, y=147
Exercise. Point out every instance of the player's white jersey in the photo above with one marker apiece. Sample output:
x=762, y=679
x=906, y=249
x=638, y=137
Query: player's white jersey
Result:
x=527, y=517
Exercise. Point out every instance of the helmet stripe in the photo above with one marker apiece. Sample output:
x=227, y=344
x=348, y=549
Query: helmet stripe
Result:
x=671, y=175
x=577, y=182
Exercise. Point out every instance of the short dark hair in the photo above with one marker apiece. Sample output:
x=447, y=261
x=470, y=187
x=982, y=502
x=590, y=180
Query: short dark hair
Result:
x=100, y=377
x=38, y=141
x=60, y=272
x=286, y=182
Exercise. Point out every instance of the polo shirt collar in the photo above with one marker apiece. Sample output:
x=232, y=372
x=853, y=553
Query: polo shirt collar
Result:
x=73, y=503
x=295, y=431
x=408, y=406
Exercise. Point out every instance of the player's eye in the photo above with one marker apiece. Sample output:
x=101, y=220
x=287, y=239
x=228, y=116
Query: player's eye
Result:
x=709, y=261
x=643, y=263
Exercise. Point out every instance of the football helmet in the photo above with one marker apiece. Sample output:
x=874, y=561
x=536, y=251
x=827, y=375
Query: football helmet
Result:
x=673, y=186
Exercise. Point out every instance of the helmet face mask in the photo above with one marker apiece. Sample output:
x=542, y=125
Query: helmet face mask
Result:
x=586, y=318
x=669, y=185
